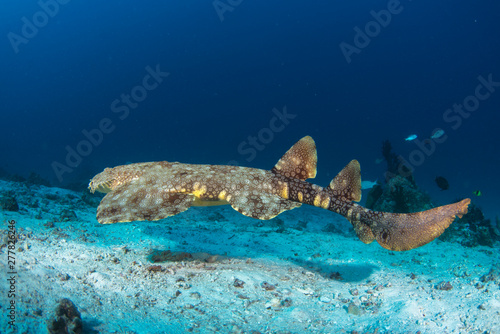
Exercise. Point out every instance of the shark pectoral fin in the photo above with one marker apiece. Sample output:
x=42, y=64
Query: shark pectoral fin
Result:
x=404, y=231
x=299, y=161
x=262, y=206
x=347, y=183
x=132, y=202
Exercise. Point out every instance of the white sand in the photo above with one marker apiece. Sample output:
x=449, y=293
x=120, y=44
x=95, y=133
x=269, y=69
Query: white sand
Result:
x=103, y=269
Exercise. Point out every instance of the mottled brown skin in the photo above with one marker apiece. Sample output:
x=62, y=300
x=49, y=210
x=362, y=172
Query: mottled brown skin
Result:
x=156, y=190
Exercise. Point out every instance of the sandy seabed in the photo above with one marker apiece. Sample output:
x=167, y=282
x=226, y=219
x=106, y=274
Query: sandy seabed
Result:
x=303, y=272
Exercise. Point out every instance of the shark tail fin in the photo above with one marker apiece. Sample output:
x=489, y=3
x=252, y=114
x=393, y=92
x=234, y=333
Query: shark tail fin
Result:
x=405, y=231
x=394, y=231
x=299, y=161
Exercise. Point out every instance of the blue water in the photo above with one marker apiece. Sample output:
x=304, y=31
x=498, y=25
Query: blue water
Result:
x=68, y=66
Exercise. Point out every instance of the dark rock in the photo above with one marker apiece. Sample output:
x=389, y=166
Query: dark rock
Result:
x=16, y=178
x=90, y=199
x=493, y=275
x=64, y=277
x=52, y=197
x=396, y=166
x=336, y=276
x=36, y=179
x=402, y=196
x=267, y=286
x=216, y=217
x=238, y=283
x=169, y=256
x=4, y=175
x=445, y=286
x=390, y=158
x=32, y=203
x=301, y=225
x=67, y=319
x=49, y=224
x=287, y=302
x=67, y=215
x=8, y=202
x=373, y=195
x=157, y=268
x=484, y=236
x=496, y=228
x=471, y=230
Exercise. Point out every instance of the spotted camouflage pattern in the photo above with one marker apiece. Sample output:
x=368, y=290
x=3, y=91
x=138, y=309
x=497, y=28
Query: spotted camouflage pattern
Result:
x=156, y=190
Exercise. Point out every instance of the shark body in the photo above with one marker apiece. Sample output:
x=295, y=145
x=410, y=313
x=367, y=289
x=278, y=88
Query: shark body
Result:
x=156, y=190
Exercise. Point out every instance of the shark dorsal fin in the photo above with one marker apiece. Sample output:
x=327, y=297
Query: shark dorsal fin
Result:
x=299, y=161
x=347, y=183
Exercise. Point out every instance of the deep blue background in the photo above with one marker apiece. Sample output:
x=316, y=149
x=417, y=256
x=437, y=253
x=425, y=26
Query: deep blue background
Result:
x=227, y=76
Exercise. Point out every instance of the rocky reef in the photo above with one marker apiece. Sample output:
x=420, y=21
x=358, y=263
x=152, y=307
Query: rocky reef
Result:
x=67, y=319
x=473, y=229
x=395, y=164
x=398, y=195
x=401, y=194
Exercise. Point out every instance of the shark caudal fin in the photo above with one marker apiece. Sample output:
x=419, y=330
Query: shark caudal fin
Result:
x=394, y=231
x=300, y=161
x=405, y=231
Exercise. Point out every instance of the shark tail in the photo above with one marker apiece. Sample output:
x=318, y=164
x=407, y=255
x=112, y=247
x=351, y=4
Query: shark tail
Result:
x=405, y=231
x=393, y=231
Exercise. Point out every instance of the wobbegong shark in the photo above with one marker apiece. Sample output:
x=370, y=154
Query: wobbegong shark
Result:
x=152, y=191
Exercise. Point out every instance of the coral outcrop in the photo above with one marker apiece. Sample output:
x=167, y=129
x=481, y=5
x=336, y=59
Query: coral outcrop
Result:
x=472, y=230
x=399, y=195
x=67, y=319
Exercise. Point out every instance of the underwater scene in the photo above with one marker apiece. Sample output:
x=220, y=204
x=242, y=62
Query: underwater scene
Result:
x=237, y=166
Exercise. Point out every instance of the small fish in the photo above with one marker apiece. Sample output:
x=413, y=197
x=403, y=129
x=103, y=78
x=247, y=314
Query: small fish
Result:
x=411, y=137
x=477, y=193
x=368, y=184
x=438, y=133
x=442, y=183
